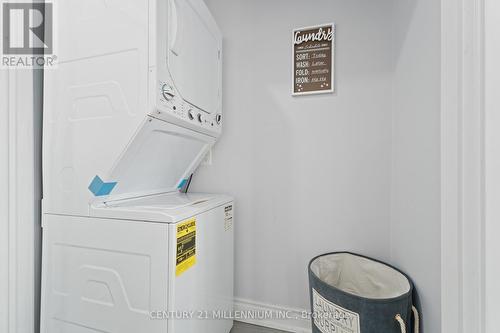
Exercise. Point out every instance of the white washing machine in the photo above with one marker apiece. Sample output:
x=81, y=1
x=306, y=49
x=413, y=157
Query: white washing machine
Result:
x=130, y=111
x=159, y=264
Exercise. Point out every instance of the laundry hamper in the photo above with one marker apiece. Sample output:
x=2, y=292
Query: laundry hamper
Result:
x=356, y=294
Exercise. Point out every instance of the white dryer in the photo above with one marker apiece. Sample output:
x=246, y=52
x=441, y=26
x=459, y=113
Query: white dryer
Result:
x=130, y=110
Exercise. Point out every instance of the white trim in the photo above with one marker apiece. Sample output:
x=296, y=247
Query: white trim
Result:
x=4, y=202
x=18, y=216
x=492, y=165
x=462, y=169
x=18, y=223
x=294, y=321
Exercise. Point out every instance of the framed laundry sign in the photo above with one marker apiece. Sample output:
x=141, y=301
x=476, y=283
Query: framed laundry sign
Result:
x=314, y=60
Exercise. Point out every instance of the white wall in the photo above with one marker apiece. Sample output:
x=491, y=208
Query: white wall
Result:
x=415, y=204
x=359, y=170
x=309, y=174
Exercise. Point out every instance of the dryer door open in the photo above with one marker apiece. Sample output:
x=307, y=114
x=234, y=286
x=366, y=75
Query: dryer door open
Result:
x=194, y=54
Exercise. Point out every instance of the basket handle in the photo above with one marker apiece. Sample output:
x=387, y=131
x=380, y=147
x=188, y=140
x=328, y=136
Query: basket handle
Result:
x=402, y=324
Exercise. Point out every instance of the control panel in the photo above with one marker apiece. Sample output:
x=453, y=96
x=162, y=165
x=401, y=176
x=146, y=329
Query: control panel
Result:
x=171, y=102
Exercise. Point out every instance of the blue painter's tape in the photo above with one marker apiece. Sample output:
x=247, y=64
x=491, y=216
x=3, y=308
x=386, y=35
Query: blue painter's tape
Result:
x=99, y=188
x=96, y=185
x=106, y=189
x=183, y=182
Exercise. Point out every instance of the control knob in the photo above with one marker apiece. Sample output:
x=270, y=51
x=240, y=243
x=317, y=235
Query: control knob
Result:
x=167, y=91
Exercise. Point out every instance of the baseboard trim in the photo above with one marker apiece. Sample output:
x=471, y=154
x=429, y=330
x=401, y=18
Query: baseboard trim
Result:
x=272, y=316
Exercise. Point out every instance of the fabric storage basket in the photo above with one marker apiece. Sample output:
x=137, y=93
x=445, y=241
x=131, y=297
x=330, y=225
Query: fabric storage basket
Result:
x=351, y=293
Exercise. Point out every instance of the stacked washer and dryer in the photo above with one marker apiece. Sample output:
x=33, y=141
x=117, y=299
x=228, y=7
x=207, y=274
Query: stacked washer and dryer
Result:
x=130, y=112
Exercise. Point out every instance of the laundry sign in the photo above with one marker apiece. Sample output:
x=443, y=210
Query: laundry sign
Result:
x=313, y=59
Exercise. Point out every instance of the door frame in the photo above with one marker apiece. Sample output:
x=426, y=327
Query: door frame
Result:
x=491, y=163
x=19, y=222
x=462, y=167
x=20, y=195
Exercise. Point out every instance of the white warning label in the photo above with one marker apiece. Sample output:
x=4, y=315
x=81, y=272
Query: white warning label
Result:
x=331, y=318
x=228, y=217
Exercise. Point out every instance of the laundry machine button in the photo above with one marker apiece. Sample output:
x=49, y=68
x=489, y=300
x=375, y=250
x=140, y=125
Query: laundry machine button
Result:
x=167, y=92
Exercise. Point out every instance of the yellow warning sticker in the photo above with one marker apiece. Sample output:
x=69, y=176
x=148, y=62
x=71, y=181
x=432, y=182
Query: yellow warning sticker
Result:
x=186, y=246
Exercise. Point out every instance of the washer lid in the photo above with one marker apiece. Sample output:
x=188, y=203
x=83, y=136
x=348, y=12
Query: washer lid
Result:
x=166, y=201
x=164, y=208
x=159, y=159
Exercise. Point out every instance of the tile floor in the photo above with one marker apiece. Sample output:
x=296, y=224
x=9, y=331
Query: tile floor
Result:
x=246, y=328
